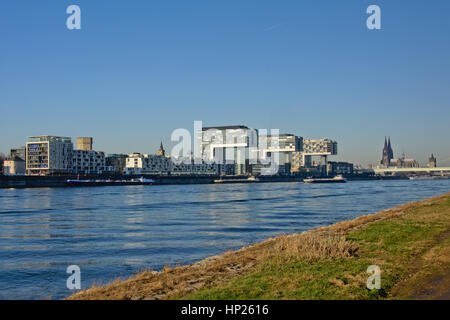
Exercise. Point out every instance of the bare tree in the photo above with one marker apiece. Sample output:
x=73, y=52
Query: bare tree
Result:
x=2, y=158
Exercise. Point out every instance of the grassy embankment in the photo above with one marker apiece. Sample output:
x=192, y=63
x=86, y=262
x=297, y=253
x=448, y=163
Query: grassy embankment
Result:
x=410, y=243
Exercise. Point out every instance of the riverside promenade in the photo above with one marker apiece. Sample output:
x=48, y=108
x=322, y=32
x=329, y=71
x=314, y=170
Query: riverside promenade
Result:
x=409, y=243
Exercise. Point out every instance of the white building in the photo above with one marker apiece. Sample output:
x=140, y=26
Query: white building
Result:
x=88, y=162
x=287, y=146
x=138, y=163
x=49, y=155
x=15, y=166
x=229, y=145
x=193, y=168
x=251, y=150
x=134, y=163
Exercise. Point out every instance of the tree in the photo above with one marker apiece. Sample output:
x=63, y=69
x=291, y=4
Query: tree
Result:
x=2, y=158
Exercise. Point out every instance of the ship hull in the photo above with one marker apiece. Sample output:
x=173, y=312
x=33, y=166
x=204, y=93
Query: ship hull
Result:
x=106, y=183
x=324, y=181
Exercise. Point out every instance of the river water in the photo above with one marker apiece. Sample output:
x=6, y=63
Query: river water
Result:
x=113, y=232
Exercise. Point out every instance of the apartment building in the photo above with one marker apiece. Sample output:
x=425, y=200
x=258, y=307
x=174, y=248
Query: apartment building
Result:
x=18, y=153
x=250, y=150
x=116, y=163
x=287, y=146
x=138, y=163
x=88, y=162
x=49, y=155
x=229, y=145
x=14, y=166
x=193, y=168
x=85, y=160
x=335, y=168
x=318, y=147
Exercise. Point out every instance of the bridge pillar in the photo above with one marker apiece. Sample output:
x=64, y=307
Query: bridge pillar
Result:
x=307, y=161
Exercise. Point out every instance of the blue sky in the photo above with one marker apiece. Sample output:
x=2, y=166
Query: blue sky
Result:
x=137, y=70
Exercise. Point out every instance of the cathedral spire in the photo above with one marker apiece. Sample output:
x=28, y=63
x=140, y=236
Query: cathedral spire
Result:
x=161, y=151
x=390, y=152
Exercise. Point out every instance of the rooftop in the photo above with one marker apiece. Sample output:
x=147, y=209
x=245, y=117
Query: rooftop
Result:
x=45, y=138
x=226, y=127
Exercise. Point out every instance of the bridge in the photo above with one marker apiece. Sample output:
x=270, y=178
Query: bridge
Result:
x=440, y=170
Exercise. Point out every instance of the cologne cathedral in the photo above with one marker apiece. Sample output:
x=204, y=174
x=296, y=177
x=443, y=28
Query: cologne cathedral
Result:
x=388, y=154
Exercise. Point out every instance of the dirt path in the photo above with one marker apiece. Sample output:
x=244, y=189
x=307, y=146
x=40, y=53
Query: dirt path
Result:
x=433, y=284
x=439, y=287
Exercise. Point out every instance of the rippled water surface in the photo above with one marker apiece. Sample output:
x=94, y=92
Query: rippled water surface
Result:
x=114, y=232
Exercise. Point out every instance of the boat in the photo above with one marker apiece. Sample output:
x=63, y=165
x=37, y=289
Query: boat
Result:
x=428, y=177
x=336, y=179
x=102, y=183
x=420, y=178
x=238, y=180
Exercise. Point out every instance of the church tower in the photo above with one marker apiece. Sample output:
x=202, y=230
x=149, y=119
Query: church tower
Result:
x=161, y=151
x=432, y=161
x=391, y=153
x=388, y=154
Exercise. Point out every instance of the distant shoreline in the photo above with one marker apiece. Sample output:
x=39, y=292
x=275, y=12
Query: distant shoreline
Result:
x=410, y=243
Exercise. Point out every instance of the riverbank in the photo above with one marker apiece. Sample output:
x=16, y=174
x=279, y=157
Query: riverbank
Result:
x=410, y=244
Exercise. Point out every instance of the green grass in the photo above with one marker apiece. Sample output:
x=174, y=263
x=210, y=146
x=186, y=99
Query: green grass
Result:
x=395, y=245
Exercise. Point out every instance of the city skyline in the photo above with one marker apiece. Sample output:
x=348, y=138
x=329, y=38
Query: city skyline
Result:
x=311, y=69
x=376, y=162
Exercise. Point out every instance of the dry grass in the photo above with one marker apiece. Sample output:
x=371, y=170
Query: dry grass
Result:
x=311, y=246
x=185, y=279
x=323, y=243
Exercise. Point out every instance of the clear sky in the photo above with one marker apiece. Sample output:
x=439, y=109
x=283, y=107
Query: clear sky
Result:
x=137, y=70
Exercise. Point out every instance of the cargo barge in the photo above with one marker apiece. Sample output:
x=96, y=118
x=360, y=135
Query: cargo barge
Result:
x=337, y=179
x=104, y=183
x=234, y=180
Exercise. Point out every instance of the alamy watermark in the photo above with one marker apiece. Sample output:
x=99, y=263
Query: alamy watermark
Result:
x=374, y=280
x=73, y=22
x=374, y=20
x=74, y=280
